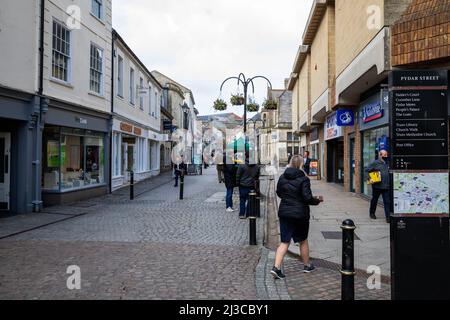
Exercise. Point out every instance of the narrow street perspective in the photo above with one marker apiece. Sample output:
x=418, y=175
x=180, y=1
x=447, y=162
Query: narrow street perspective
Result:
x=257, y=152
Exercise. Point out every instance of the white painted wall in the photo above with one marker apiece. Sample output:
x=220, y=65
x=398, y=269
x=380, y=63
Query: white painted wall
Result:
x=150, y=116
x=19, y=44
x=92, y=30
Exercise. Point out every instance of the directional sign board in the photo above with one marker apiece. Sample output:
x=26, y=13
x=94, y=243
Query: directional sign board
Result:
x=419, y=120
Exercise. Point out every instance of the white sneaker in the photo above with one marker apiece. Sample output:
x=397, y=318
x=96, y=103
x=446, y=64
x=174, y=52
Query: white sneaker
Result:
x=230, y=210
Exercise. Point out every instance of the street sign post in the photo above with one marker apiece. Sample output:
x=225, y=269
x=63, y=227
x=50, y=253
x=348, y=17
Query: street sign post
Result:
x=420, y=251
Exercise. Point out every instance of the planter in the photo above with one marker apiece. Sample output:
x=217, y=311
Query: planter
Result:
x=220, y=105
x=237, y=100
x=270, y=105
x=253, y=107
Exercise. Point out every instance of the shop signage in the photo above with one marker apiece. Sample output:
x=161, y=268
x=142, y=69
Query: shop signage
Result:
x=137, y=131
x=126, y=127
x=314, y=136
x=332, y=130
x=419, y=120
x=167, y=124
x=372, y=112
x=81, y=120
x=345, y=118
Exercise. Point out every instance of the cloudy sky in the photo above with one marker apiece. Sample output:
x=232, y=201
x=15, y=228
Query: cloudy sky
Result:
x=199, y=43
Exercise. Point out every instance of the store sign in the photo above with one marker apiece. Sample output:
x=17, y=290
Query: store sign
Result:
x=332, y=130
x=167, y=125
x=345, y=118
x=314, y=135
x=137, y=131
x=372, y=112
x=126, y=127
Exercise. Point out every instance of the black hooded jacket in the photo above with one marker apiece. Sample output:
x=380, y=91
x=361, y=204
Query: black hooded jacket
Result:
x=294, y=189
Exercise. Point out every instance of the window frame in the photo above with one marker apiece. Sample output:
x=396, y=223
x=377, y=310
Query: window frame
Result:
x=132, y=89
x=101, y=5
x=120, y=76
x=69, y=56
x=102, y=71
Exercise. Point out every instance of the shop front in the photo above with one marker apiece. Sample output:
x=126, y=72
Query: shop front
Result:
x=374, y=129
x=334, y=137
x=136, y=149
x=74, y=152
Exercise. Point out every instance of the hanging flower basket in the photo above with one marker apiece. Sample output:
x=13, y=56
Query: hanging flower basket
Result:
x=270, y=105
x=237, y=100
x=253, y=107
x=220, y=105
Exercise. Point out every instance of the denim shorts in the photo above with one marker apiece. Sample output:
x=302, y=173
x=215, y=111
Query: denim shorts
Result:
x=296, y=229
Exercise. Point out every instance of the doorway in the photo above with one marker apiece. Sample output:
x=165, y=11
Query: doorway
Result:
x=5, y=170
x=352, y=164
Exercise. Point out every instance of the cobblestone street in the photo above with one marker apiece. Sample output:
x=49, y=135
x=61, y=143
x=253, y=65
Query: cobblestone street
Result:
x=155, y=247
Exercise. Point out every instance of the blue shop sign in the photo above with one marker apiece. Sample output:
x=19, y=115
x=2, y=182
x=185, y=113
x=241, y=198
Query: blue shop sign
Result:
x=374, y=112
x=345, y=118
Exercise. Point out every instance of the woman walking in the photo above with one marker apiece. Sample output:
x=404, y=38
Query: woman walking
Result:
x=294, y=189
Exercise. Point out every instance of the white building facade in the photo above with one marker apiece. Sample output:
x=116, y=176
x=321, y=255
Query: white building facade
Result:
x=136, y=125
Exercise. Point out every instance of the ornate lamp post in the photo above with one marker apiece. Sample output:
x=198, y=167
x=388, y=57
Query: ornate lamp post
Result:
x=245, y=82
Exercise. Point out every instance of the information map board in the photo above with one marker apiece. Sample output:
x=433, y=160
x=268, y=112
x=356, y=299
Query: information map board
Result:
x=419, y=133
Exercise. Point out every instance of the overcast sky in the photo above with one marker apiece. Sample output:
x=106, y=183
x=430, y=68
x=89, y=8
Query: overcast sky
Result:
x=199, y=43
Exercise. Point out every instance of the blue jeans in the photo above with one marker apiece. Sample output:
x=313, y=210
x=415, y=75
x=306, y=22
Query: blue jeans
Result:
x=229, y=198
x=243, y=197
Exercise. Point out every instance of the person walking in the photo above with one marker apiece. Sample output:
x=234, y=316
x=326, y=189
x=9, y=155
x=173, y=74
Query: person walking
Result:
x=229, y=173
x=294, y=189
x=246, y=177
x=380, y=188
x=220, y=170
x=307, y=162
x=179, y=169
x=289, y=158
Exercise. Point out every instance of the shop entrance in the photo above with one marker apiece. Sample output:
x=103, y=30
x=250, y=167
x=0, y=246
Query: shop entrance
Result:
x=335, y=165
x=128, y=155
x=5, y=146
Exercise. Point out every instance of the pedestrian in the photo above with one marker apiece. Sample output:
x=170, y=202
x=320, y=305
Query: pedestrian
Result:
x=382, y=187
x=220, y=168
x=229, y=172
x=247, y=176
x=294, y=189
x=179, y=169
x=307, y=160
x=289, y=158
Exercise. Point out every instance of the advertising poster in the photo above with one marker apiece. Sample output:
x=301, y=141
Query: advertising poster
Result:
x=313, y=168
x=53, y=154
x=421, y=193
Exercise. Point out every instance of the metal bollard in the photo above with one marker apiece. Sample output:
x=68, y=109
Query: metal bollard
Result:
x=182, y=185
x=131, y=185
x=348, y=262
x=252, y=217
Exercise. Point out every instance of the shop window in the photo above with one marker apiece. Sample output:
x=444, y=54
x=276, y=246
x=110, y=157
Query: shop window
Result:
x=371, y=148
x=74, y=159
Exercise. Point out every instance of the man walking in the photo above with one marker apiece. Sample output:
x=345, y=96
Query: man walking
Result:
x=179, y=170
x=380, y=187
x=247, y=176
x=306, y=165
x=230, y=180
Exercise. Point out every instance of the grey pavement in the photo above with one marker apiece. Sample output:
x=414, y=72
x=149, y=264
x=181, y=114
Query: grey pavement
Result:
x=155, y=247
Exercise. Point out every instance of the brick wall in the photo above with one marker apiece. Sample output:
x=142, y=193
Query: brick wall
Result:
x=422, y=33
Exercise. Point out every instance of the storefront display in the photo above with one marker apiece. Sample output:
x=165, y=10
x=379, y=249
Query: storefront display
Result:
x=335, y=150
x=74, y=159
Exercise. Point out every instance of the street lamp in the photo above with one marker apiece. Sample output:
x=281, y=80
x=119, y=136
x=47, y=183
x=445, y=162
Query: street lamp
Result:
x=241, y=79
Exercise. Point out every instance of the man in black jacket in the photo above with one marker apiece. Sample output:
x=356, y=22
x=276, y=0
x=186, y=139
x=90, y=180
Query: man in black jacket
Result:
x=381, y=188
x=246, y=177
x=229, y=173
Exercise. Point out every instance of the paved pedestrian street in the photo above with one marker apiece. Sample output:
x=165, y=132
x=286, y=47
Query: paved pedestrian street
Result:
x=155, y=247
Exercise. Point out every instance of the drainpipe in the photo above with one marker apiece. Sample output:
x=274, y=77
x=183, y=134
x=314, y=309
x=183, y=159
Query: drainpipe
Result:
x=40, y=108
x=112, y=113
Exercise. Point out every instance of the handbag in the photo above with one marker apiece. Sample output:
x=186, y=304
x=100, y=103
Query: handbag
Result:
x=374, y=177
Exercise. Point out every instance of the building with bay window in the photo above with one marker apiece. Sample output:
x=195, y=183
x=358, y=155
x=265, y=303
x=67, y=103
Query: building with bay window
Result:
x=136, y=124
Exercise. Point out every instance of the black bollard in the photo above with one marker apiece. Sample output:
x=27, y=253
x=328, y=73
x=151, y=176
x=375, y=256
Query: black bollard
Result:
x=131, y=185
x=252, y=217
x=182, y=185
x=348, y=261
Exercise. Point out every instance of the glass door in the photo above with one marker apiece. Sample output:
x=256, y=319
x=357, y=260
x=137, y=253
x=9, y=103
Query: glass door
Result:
x=5, y=163
x=352, y=165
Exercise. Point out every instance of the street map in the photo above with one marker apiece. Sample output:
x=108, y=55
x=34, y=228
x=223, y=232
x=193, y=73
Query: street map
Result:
x=421, y=193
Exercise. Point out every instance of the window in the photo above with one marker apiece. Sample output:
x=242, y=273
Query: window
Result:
x=156, y=104
x=96, y=69
x=97, y=8
x=141, y=96
x=61, y=52
x=120, y=78
x=117, y=143
x=132, y=87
